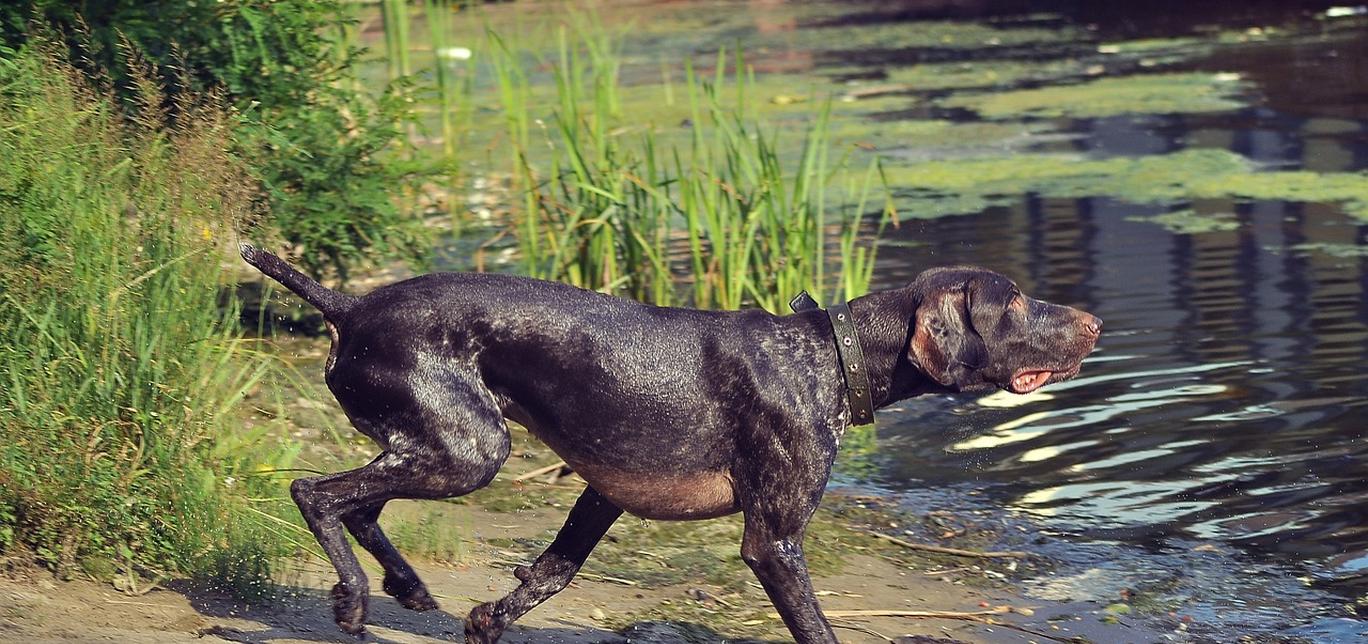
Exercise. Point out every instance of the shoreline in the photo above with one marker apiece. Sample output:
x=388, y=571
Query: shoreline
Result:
x=646, y=582
x=680, y=605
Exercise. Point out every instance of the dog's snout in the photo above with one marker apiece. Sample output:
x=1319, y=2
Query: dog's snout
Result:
x=1092, y=324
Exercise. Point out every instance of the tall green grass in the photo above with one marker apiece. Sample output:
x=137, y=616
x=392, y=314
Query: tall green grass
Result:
x=121, y=449
x=454, y=88
x=726, y=216
x=395, y=20
x=722, y=220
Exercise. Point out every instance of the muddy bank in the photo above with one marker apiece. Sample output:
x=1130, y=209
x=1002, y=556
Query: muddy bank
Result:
x=704, y=602
x=646, y=582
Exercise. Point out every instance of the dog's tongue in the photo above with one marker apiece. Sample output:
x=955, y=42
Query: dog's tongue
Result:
x=1028, y=381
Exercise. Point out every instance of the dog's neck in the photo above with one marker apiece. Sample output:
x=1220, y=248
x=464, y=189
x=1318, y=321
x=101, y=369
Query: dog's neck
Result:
x=884, y=321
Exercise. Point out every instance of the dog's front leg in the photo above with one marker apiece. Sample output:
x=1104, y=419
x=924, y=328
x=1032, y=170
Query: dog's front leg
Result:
x=551, y=572
x=780, y=480
x=776, y=557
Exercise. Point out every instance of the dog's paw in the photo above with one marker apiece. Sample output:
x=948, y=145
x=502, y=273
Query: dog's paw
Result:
x=411, y=593
x=349, y=609
x=483, y=626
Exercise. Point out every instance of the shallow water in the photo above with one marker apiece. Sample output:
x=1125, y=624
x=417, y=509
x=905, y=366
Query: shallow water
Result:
x=1226, y=402
x=1227, y=398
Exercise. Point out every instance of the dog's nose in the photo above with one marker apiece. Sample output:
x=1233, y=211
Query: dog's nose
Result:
x=1092, y=324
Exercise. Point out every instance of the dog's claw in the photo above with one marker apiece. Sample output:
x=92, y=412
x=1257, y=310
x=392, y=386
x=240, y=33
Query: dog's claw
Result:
x=411, y=594
x=482, y=625
x=349, y=610
x=418, y=600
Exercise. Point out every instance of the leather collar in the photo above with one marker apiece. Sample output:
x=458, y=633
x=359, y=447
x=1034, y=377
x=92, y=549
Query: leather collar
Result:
x=851, y=356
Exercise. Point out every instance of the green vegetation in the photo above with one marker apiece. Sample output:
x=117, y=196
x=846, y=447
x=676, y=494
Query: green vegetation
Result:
x=611, y=209
x=436, y=534
x=1190, y=222
x=984, y=74
x=326, y=152
x=120, y=450
x=453, y=90
x=1145, y=94
x=922, y=34
x=937, y=188
x=1337, y=251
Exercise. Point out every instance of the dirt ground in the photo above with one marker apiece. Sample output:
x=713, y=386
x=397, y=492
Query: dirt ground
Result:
x=36, y=608
x=658, y=583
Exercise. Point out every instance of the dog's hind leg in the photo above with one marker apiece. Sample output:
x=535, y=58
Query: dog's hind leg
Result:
x=551, y=572
x=444, y=438
x=401, y=581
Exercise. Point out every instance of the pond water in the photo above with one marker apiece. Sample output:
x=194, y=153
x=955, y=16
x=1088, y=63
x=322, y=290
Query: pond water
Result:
x=1227, y=402
x=1228, y=399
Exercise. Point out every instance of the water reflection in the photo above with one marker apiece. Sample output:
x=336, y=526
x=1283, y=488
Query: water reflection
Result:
x=1226, y=398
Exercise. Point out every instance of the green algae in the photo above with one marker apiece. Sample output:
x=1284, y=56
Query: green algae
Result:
x=961, y=186
x=1337, y=251
x=945, y=138
x=1142, y=94
x=1190, y=222
x=984, y=73
x=1347, y=188
x=921, y=34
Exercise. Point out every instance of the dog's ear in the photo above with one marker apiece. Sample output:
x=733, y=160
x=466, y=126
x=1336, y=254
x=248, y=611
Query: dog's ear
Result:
x=944, y=344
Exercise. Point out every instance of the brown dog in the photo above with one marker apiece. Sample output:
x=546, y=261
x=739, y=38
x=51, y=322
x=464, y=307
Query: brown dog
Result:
x=666, y=413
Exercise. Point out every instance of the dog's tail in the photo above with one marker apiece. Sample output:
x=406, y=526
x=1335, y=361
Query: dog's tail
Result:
x=332, y=304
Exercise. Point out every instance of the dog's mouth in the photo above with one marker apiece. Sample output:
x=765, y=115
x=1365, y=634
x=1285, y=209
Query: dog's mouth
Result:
x=1028, y=380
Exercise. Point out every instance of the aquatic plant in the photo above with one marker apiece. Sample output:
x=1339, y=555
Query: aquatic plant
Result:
x=961, y=186
x=1140, y=94
x=613, y=213
x=1191, y=222
x=983, y=74
x=453, y=90
x=1337, y=251
x=909, y=35
x=394, y=17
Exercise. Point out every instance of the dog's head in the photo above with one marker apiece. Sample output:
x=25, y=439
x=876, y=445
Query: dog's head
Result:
x=974, y=329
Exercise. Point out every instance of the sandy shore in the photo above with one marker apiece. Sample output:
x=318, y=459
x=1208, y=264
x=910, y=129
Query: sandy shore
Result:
x=678, y=606
x=646, y=582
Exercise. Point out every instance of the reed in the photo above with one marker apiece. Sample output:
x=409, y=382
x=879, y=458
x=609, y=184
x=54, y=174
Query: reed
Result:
x=454, y=90
x=394, y=16
x=721, y=220
x=723, y=217
x=437, y=14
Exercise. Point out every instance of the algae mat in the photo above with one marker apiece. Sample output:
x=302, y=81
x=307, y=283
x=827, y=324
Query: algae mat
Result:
x=1142, y=94
x=962, y=186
